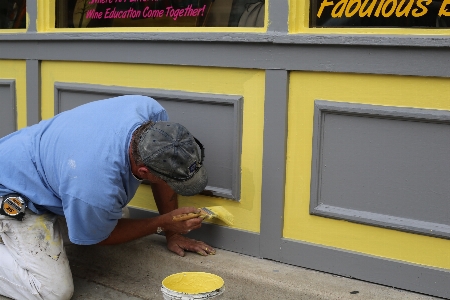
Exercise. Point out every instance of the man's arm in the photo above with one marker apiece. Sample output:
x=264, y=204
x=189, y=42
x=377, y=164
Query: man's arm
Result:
x=128, y=230
x=166, y=200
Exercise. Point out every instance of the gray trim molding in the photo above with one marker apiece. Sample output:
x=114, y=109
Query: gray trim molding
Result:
x=275, y=35
x=392, y=273
x=278, y=16
x=33, y=77
x=274, y=162
x=414, y=209
x=32, y=15
x=235, y=102
x=312, y=57
x=8, y=109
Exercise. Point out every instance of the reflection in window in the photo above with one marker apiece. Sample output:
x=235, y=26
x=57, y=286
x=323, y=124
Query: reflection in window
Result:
x=380, y=13
x=159, y=13
x=13, y=14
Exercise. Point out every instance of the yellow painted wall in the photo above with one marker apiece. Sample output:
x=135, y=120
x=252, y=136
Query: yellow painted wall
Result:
x=248, y=83
x=305, y=87
x=16, y=70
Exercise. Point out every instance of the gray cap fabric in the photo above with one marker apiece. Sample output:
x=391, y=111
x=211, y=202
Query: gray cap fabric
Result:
x=170, y=151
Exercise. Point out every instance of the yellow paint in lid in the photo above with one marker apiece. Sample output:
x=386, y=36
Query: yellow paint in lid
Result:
x=193, y=282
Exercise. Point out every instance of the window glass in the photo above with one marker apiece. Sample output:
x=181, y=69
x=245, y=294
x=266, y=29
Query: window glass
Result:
x=159, y=13
x=13, y=14
x=380, y=13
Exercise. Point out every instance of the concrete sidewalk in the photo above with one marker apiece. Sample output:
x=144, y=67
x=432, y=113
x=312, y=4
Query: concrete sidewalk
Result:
x=135, y=271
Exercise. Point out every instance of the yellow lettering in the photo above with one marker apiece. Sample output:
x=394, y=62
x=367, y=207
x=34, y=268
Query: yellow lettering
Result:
x=380, y=6
x=350, y=6
x=392, y=9
x=339, y=6
x=443, y=10
x=424, y=9
x=322, y=6
x=368, y=12
x=399, y=12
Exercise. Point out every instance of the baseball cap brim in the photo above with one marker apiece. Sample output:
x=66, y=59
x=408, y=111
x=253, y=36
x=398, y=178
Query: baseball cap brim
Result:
x=192, y=186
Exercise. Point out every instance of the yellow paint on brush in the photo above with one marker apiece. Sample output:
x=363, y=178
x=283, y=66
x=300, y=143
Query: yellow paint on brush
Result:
x=193, y=282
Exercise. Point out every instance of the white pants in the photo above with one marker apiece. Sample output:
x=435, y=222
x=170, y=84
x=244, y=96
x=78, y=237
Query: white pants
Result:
x=33, y=263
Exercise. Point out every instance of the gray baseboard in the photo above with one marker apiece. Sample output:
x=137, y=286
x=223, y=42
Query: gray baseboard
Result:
x=388, y=272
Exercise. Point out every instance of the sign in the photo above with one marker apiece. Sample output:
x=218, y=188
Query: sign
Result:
x=382, y=13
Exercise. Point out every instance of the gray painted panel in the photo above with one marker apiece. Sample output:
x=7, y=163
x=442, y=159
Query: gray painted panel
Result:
x=392, y=273
x=274, y=163
x=222, y=115
x=33, y=91
x=8, y=112
x=382, y=166
x=217, y=236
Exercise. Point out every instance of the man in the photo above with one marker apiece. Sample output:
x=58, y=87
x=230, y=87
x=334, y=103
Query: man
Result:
x=86, y=164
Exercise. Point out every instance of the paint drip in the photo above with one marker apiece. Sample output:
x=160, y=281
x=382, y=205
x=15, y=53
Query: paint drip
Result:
x=192, y=285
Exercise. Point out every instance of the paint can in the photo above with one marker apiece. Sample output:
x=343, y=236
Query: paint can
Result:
x=192, y=286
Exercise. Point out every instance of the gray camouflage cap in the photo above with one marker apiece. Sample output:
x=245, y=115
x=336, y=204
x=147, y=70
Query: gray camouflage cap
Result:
x=173, y=154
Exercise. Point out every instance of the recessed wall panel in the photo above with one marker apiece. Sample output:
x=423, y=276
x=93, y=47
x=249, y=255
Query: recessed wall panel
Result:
x=382, y=166
x=8, y=115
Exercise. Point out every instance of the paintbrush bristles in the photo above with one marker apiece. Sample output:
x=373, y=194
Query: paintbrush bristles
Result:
x=220, y=213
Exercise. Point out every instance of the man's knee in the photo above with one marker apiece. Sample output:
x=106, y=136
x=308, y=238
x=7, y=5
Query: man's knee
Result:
x=58, y=285
x=62, y=291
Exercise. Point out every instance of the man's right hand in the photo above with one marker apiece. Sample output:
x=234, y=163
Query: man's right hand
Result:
x=180, y=227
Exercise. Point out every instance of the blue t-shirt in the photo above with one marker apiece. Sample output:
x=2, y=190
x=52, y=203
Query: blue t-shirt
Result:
x=77, y=163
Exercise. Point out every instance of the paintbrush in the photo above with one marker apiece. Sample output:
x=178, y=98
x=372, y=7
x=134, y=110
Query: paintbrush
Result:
x=211, y=212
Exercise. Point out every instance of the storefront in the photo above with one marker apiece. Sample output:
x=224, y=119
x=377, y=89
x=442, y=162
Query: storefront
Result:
x=326, y=123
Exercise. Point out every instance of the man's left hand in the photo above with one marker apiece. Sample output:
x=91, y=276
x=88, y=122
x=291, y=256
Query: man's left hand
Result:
x=178, y=244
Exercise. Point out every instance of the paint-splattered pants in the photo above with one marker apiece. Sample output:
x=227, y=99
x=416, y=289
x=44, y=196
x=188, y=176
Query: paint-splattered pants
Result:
x=33, y=263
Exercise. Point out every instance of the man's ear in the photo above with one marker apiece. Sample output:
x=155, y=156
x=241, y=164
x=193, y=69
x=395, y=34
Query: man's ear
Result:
x=143, y=171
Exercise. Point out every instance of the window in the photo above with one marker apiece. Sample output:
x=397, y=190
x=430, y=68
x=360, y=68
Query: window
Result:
x=13, y=14
x=380, y=13
x=159, y=13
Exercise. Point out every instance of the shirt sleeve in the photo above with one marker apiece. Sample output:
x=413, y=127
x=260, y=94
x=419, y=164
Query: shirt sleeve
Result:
x=88, y=224
x=161, y=116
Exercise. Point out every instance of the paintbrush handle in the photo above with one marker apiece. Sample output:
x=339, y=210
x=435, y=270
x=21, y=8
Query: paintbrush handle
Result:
x=185, y=217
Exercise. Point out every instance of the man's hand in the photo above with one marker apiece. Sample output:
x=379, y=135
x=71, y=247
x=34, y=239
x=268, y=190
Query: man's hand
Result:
x=181, y=227
x=167, y=203
x=178, y=243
